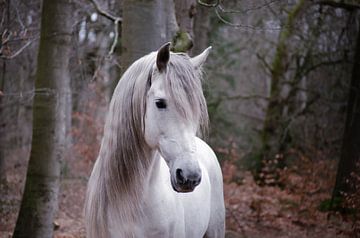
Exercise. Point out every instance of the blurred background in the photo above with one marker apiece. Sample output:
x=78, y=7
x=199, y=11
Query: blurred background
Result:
x=282, y=86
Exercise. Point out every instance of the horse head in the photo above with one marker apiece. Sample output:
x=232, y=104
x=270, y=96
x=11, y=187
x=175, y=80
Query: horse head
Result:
x=175, y=107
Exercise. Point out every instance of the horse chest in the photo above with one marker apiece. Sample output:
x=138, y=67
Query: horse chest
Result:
x=163, y=215
x=171, y=214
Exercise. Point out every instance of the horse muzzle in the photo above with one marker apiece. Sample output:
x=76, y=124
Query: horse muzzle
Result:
x=185, y=182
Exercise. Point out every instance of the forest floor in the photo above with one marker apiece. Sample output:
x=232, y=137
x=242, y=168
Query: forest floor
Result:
x=252, y=210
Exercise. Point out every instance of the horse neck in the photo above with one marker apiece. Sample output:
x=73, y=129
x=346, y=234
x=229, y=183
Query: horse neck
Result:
x=127, y=207
x=153, y=171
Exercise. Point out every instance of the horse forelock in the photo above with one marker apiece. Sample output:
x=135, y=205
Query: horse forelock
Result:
x=185, y=88
x=114, y=190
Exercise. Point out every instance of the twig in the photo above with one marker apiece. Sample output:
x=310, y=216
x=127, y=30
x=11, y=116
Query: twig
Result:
x=243, y=26
x=341, y=4
x=264, y=62
x=243, y=97
x=116, y=29
x=209, y=4
x=17, y=52
x=116, y=21
x=5, y=37
x=3, y=18
x=104, y=13
x=266, y=4
x=18, y=16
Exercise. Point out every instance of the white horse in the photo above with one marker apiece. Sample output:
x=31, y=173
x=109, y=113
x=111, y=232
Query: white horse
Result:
x=154, y=177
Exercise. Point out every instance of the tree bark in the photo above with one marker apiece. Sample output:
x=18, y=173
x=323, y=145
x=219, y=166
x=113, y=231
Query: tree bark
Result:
x=2, y=130
x=40, y=199
x=350, y=152
x=185, y=12
x=272, y=130
x=201, y=29
x=146, y=26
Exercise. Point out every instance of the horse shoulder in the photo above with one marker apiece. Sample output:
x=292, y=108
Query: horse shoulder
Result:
x=216, y=227
x=208, y=158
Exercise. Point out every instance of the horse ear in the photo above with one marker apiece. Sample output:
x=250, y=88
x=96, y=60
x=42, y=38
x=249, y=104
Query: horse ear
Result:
x=163, y=57
x=199, y=60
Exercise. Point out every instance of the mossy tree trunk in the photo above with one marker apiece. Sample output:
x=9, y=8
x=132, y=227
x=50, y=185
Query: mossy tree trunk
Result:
x=185, y=12
x=272, y=130
x=40, y=199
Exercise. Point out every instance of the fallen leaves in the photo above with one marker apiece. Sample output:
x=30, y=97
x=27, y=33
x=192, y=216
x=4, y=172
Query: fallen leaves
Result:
x=290, y=211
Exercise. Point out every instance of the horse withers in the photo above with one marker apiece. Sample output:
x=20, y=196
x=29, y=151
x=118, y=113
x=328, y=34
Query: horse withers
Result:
x=154, y=177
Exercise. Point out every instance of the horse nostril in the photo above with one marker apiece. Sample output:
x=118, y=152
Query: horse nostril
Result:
x=180, y=176
x=196, y=182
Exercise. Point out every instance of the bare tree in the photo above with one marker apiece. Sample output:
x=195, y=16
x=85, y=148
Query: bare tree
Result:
x=40, y=199
x=273, y=122
x=350, y=152
x=18, y=43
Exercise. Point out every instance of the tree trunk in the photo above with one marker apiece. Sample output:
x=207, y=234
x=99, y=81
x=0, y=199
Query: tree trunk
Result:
x=201, y=29
x=272, y=131
x=2, y=129
x=350, y=151
x=40, y=198
x=185, y=12
x=146, y=26
x=16, y=83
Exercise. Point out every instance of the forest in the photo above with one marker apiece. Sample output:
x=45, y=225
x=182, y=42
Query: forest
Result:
x=281, y=83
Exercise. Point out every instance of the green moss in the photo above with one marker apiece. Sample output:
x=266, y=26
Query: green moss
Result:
x=181, y=42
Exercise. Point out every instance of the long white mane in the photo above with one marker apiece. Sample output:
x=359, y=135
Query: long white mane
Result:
x=115, y=187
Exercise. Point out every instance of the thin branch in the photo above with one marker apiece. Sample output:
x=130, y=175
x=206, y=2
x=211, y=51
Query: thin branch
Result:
x=245, y=97
x=209, y=4
x=116, y=21
x=325, y=63
x=342, y=4
x=18, y=16
x=17, y=52
x=116, y=37
x=243, y=26
x=5, y=37
x=104, y=13
x=266, y=4
x=3, y=18
x=264, y=62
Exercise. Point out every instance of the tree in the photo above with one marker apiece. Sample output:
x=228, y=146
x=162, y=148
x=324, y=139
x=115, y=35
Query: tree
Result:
x=39, y=203
x=273, y=122
x=18, y=45
x=350, y=152
x=201, y=29
x=184, y=12
x=153, y=24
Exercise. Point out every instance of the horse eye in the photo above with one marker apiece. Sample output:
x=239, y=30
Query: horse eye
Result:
x=160, y=103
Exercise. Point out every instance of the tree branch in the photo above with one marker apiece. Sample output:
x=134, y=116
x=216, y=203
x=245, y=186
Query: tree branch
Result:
x=266, y=4
x=324, y=63
x=244, y=97
x=209, y=4
x=116, y=37
x=264, y=62
x=116, y=21
x=104, y=13
x=243, y=26
x=342, y=4
x=17, y=52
